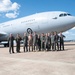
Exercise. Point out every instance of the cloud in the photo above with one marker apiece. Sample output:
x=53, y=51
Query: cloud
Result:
x=67, y=32
x=70, y=35
x=12, y=15
x=6, y=6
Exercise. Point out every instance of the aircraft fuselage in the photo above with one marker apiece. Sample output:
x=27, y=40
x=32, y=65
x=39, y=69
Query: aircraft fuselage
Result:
x=40, y=22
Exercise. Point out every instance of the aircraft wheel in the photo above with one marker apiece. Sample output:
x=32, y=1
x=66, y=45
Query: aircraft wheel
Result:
x=6, y=45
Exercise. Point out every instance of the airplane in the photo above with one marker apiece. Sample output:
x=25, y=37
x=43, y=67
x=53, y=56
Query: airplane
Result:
x=40, y=22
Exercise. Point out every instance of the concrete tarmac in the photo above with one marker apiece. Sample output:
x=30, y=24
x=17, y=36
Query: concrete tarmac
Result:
x=38, y=63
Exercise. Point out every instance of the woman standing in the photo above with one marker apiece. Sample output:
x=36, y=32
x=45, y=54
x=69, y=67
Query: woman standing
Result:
x=30, y=41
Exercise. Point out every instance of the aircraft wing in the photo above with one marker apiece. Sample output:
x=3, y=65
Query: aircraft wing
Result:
x=2, y=33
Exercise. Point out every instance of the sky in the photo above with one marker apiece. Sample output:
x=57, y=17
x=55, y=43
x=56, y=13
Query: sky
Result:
x=13, y=9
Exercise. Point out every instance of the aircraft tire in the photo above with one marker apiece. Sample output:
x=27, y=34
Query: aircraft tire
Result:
x=6, y=45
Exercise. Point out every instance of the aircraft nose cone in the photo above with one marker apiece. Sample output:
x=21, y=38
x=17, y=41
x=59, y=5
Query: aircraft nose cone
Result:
x=73, y=20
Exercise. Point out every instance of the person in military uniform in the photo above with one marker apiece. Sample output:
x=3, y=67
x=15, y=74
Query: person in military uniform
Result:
x=42, y=41
x=18, y=39
x=25, y=42
x=56, y=38
x=61, y=36
x=52, y=40
x=11, y=43
x=35, y=41
x=46, y=42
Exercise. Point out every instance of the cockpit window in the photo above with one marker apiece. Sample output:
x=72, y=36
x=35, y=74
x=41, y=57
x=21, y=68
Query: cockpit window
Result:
x=69, y=14
x=60, y=15
x=64, y=14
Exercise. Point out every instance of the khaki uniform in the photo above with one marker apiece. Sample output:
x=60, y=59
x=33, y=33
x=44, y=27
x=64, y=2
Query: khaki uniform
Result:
x=18, y=39
x=30, y=42
x=52, y=42
x=11, y=44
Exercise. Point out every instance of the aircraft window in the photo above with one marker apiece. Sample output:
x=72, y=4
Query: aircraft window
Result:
x=69, y=14
x=65, y=14
x=61, y=15
x=55, y=18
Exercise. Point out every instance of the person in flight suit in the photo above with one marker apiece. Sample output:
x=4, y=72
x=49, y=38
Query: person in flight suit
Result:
x=52, y=40
x=46, y=42
x=18, y=39
x=42, y=41
x=11, y=43
x=61, y=36
x=25, y=42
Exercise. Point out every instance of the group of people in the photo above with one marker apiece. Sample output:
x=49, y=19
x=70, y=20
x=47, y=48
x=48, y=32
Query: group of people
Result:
x=37, y=42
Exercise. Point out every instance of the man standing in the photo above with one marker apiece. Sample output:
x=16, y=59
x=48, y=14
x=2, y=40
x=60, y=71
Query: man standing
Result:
x=61, y=40
x=46, y=42
x=18, y=39
x=25, y=41
x=11, y=43
x=56, y=37
x=52, y=40
x=49, y=41
x=43, y=41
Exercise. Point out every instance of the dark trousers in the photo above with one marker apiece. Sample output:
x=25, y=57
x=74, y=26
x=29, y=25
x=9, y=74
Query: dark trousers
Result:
x=18, y=48
x=39, y=46
x=56, y=44
x=42, y=45
x=11, y=48
x=35, y=46
x=25, y=48
x=48, y=46
x=52, y=45
x=62, y=45
x=30, y=46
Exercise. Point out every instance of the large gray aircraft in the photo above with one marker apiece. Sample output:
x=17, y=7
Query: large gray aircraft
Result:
x=39, y=22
